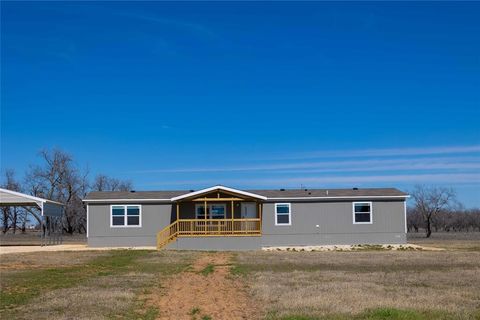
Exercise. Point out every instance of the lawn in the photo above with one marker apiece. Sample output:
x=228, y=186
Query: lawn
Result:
x=85, y=285
x=367, y=284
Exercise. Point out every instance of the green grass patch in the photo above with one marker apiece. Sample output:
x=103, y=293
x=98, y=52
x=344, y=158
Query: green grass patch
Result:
x=393, y=314
x=239, y=270
x=20, y=287
x=194, y=311
x=208, y=270
x=139, y=312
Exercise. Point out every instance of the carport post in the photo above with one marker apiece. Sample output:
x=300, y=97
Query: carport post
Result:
x=42, y=230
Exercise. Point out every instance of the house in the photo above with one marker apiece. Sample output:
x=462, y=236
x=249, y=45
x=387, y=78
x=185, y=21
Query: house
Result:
x=222, y=218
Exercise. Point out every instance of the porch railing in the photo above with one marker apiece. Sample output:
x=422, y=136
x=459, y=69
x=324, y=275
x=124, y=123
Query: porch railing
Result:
x=214, y=227
x=208, y=227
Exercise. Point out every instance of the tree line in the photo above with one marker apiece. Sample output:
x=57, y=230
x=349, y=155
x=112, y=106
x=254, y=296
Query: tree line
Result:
x=59, y=178
x=449, y=220
x=437, y=209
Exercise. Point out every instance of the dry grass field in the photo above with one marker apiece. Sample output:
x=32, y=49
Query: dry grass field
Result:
x=448, y=240
x=367, y=284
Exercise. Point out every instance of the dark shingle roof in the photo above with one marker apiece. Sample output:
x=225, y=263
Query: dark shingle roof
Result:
x=99, y=195
x=278, y=193
x=314, y=193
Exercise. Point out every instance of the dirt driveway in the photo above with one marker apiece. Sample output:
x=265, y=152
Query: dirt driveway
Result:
x=205, y=291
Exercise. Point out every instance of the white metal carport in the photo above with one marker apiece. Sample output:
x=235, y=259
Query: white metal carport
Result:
x=51, y=213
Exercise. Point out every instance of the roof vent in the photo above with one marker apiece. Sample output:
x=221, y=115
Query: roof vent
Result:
x=306, y=190
x=309, y=193
x=326, y=191
x=355, y=188
x=282, y=189
x=132, y=191
x=191, y=190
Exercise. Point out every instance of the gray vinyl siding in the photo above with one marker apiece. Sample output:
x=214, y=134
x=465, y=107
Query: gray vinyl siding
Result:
x=154, y=218
x=335, y=224
x=334, y=220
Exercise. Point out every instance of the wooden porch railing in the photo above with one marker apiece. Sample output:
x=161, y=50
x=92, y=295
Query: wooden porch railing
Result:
x=208, y=227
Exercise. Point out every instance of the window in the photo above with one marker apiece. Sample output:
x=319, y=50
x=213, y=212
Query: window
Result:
x=125, y=216
x=362, y=212
x=283, y=214
x=217, y=211
x=199, y=212
x=214, y=211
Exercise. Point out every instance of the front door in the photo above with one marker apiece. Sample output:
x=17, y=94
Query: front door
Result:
x=249, y=210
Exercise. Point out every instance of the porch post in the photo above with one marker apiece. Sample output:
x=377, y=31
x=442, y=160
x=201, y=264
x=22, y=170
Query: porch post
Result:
x=205, y=210
x=178, y=212
x=233, y=223
x=260, y=206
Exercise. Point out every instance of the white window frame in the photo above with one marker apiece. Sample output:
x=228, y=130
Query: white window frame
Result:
x=289, y=214
x=125, y=216
x=371, y=212
x=209, y=215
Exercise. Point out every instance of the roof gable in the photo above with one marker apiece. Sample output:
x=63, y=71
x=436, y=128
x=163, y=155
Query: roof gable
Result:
x=218, y=188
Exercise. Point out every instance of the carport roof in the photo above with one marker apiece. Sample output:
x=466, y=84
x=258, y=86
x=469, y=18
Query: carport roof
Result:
x=14, y=198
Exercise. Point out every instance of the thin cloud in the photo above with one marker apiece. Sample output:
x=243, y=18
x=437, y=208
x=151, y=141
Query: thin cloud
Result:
x=343, y=165
x=448, y=178
x=192, y=27
x=386, y=152
x=451, y=178
x=404, y=167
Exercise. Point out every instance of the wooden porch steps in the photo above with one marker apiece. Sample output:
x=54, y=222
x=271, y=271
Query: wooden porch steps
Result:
x=167, y=235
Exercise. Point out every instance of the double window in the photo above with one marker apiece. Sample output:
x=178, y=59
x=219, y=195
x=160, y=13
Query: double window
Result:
x=125, y=216
x=214, y=211
x=283, y=214
x=362, y=212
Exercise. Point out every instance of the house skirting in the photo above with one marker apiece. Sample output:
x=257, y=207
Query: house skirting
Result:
x=227, y=243
x=217, y=243
x=130, y=241
x=275, y=240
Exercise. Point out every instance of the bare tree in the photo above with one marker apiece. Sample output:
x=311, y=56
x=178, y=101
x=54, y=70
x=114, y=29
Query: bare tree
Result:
x=10, y=214
x=75, y=187
x=105, y=183
x=46, y=180
x=414, y=219
x=474, y=218
x=429, y=201
x=59, y=179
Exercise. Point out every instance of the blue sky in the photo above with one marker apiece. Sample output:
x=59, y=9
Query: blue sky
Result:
x=250, y=95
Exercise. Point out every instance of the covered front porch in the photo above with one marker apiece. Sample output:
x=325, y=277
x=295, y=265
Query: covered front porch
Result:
x=214, y=212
